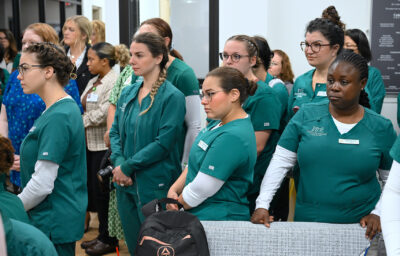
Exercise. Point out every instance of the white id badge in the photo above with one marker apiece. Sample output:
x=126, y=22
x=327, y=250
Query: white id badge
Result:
x=92, y=97
x=348, y=141
x=321, y=93
x=203, y=145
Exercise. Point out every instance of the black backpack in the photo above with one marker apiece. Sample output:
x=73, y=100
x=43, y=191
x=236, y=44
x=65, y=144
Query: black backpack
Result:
x=170, y=233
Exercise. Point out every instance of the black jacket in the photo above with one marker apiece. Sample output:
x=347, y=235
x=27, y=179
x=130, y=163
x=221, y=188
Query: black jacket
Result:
x=83, y=74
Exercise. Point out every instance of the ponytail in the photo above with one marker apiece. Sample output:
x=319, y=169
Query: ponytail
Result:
x=364, y=101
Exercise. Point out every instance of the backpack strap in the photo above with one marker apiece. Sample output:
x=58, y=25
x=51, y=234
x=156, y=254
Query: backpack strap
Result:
x=156, y=205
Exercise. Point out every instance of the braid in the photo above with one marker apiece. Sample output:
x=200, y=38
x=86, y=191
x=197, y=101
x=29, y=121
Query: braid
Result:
x=360, y=63
x=364, y=100
x=161, y=79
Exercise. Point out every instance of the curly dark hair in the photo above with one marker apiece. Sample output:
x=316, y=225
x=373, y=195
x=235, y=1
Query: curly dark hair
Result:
x=330, y=30
x=6, y=154
x=49, y=54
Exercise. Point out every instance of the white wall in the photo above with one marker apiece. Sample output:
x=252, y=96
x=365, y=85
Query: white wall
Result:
x=149, y=9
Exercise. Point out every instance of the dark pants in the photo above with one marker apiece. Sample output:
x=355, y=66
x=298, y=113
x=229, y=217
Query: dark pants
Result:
x=279, y=206
x=98, y=199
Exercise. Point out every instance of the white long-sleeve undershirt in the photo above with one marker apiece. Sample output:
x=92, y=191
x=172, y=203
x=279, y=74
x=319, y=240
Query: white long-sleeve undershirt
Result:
x=40, y=185
x=202, y=187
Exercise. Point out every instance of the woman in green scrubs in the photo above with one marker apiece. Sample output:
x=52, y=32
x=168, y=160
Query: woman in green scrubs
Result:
x=221, y=161
x=264, y=107
x=339, y=146
x=357, y=41
x=144, y=136
x=323, y=41
x=53, y=162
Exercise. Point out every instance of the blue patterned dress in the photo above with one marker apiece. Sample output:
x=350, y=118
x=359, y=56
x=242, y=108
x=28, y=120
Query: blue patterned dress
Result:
x=22, y=111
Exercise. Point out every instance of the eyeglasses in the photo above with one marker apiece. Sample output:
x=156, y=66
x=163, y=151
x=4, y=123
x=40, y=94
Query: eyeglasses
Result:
x=234, y=57
x=208, y=95
x=23, y=68
x=315, y=47
x=350, y=46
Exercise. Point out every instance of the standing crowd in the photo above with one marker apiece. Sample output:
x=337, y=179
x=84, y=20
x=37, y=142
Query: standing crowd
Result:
x=79, y=136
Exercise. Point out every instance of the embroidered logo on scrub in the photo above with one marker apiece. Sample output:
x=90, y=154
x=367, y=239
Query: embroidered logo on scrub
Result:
x=123, y=107
x=266, y=124
x=317, y=131
x=300, y=93
x=211, y=167
x=165, y=251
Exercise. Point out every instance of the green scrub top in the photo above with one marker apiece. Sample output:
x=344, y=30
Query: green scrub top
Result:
x=268, y=78
x=10, y=204
x=265, y=112
x=145, y=146
x=375, y=88
x=395, y=151
x=227, y=153
x=58, y=136
x=3, y=84
x=183, y=77
x=23, y=239
x=303, y=93
x=337, y=182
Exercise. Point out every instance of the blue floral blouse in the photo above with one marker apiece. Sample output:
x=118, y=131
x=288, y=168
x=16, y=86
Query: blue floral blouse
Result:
x=22, y=111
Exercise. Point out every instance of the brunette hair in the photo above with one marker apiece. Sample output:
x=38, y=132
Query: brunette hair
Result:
x=231, y=78
x=286, y=74
x=362, y=42
x=264, y=52
x=330, y=30
x=49, y=54
x=250, y=43
x=12, y=50
x=164, y=30
x=156, y=46
x=6, y=154
x=332, y=14
x=113, y=54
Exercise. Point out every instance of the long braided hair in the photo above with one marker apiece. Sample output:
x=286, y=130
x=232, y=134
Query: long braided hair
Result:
x=156, y=46
x=361, y=65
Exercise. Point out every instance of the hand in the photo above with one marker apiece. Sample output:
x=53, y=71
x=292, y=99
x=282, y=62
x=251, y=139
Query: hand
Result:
x=373, y=224
x=16, y=164
x=107, y=138
x=261, y=216
x=174, y=195
x=120, y=178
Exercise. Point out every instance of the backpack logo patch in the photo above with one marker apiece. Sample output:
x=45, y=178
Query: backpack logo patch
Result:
x=165, y=251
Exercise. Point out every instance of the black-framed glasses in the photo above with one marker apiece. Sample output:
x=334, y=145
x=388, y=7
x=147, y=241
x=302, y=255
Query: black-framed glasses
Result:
x=234, y=57
x=315, y=47
x=208, y=95
x=350, y=46
x=23, y=68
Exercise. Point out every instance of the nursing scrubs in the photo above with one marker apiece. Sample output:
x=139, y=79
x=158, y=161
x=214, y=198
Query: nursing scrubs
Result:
x=265, y=112
x=227, y=153
x=375, y=88
x=337, y=182
x=58, y=136
x=10, y=204
x=146, y=148
x=302, y=92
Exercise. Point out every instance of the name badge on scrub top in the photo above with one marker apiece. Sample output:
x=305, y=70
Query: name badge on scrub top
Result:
x=321, y=93
x=202, y=145
x=92, y=97
x=348, y=141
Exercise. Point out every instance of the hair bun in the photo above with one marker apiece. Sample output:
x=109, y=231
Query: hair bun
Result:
x=251, y=87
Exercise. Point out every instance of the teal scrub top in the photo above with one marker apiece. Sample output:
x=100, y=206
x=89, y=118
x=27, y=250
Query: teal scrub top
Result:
x=10, y=204
x=58, y=136
x=227, y=153
x=265, y=112
x=302, y=92
x=375, y=88
x=268, y=78
x=337, y=182
x=145, y=146
x=3, y=83
x=23, y=239
x=395, y=151
x=183, y=77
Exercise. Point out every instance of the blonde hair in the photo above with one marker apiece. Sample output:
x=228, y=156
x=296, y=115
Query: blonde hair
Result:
x=99, y=28
x=83, y=24
x=45, y=31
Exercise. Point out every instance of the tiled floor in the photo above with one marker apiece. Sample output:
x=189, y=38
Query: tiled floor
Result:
x=92, y=233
